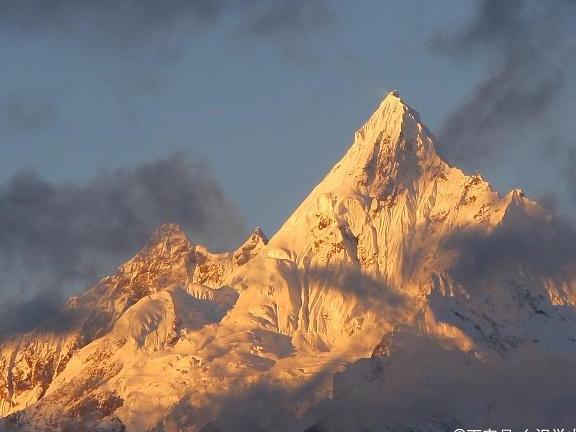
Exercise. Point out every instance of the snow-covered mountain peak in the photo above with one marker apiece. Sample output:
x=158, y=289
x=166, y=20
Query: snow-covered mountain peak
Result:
x=391, y=117
x=392, y=152
x=259, y=234
x=168, y=233
x=392, y=243
x=251, y=247
x=167, y=250
x=392, y=144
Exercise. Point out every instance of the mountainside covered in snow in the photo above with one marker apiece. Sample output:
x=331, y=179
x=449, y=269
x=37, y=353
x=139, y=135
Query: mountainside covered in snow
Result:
x=398, y=286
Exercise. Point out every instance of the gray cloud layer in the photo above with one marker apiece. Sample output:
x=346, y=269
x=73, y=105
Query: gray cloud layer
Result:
x=531, y=46
x=426, y=387
x=57, y=238
x=133, y=20
x=538, y=246
x=152, y=31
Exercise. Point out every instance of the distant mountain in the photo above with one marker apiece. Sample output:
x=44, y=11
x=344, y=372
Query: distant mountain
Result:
x=397, y=296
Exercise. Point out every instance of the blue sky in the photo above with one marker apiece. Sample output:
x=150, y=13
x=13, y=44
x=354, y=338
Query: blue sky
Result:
x=269, y=111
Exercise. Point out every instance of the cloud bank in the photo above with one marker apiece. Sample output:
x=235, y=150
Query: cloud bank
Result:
x=57, y=238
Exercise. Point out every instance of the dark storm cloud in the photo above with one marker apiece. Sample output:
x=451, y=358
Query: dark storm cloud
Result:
x=424, y=386
x=133, y=20
x=59, y=237
x=531, y=47
x=22, y=315
x=543, y=246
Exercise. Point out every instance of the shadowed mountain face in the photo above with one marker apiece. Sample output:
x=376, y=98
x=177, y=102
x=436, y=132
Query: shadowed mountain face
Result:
x=398, y=296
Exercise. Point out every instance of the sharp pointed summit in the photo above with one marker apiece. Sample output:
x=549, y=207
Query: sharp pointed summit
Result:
x=391, y=116
x=390, y=153
x=391, y=143
x=168, y=233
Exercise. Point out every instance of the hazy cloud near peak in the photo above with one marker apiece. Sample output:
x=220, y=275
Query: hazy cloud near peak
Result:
x=531, y=48
x=427, y=386
x=56, y=238
x=545, y=247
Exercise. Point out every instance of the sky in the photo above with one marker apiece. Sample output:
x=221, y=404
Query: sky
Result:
x=244, y=106
x=270, y=111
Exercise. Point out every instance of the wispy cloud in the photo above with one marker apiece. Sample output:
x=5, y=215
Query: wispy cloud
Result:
x=133, y=21
x=531, y=49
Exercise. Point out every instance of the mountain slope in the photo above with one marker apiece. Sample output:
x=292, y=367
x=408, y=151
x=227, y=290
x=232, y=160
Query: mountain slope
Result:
x=29, y=362
x=380, y=260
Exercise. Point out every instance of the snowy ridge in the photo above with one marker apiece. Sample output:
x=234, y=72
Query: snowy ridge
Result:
x=300, y=326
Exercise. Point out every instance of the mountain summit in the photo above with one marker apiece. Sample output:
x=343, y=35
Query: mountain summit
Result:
x=392, y=138
x=390, y=253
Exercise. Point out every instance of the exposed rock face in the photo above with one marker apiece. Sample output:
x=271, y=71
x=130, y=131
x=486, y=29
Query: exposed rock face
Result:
x=182, y=339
